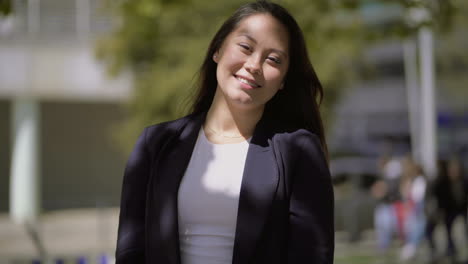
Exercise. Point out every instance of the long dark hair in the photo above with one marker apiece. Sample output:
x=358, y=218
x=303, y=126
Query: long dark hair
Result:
x=295, y=106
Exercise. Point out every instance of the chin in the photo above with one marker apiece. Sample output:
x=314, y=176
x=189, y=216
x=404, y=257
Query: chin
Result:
x=242, y=100
x=238, y=96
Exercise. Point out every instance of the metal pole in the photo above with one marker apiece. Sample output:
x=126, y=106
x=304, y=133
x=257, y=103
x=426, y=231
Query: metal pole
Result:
x=428, y=106
x=25, y=195
x=24, y=183
x=24, y=190
x=410, y=57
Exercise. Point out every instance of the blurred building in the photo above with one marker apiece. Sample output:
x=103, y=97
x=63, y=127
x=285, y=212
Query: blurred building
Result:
x=373, y=114
x=375, y=111
x=49, y=76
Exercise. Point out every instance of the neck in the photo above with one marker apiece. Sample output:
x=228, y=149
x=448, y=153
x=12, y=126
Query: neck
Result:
x=229, y=120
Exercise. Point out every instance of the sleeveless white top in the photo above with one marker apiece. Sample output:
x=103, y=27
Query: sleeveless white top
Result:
x=208, y=200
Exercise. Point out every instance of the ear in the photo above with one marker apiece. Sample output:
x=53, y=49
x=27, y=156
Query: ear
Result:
x=216, y=57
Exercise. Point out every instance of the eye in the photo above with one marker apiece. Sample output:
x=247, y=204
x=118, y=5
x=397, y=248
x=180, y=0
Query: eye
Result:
x=275, y=60
x=245, y=46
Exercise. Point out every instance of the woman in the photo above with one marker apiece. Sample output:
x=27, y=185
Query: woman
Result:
x=243, y=178
x=413, y=190
x=450, y=191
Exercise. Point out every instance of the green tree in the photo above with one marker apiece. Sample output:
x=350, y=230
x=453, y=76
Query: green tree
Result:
x=5, y=7
x=451, y=56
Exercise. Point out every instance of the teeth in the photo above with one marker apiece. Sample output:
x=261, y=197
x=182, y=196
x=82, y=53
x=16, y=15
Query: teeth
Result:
x=246, y=82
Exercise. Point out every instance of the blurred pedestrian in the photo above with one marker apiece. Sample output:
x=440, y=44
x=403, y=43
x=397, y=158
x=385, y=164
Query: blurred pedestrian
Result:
x=413, y=189
x=244, y=178
x=450, y=191
x=387, y=214
x=432, y=208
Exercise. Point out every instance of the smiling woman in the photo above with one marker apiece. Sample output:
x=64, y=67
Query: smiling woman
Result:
x=244, y=177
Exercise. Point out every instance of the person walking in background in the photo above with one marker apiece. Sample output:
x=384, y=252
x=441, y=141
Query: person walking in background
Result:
x=450, y=194
x=413, y=190
x=244, y=177
x=387, y=214
x=432, y=208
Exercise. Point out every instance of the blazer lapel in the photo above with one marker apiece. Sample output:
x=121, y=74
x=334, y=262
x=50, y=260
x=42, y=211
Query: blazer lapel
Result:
x=162, y=226
x=259, y=184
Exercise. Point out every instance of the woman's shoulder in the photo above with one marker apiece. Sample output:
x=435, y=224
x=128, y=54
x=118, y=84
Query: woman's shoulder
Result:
x=299, y=143
x=163, y=130
x=299, y=138
x=302, y=150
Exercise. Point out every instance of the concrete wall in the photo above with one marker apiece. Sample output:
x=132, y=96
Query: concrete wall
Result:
x=81, y=166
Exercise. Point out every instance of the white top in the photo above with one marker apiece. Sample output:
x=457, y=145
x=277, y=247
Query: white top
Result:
x=418, y=189
x=208, y=200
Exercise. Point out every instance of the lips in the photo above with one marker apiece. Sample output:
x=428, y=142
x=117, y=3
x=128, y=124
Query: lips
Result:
x=247, y=81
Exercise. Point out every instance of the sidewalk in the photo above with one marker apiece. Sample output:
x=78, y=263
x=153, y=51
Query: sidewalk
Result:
x=365, y=251
x=71, y=234
x=65, y=234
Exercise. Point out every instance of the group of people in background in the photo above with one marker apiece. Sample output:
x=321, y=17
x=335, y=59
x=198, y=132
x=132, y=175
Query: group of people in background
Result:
x=411, y=205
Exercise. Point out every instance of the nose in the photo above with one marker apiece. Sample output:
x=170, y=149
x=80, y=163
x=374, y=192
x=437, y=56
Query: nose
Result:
x=253, y=65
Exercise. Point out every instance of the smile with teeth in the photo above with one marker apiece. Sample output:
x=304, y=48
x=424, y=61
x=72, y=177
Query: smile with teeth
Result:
x=242, y=80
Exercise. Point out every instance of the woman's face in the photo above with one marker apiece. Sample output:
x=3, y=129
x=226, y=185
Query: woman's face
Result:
x=253, y=61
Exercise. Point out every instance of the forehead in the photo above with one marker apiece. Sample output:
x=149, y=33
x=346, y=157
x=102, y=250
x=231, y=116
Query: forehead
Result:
x=263, y=28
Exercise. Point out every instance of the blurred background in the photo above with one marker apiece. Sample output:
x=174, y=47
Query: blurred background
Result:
x=80, y=79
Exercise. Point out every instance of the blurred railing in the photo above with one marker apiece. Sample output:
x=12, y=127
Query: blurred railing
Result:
x=52, y=19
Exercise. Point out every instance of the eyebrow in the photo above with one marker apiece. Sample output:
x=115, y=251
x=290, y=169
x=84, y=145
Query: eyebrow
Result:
x=245, y=34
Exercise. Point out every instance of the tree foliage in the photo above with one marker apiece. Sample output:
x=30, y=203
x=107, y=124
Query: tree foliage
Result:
x=452, y=58
x=163, y=42
x=5, y=7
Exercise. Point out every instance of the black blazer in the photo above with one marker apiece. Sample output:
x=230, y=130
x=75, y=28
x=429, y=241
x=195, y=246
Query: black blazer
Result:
x=285, y=212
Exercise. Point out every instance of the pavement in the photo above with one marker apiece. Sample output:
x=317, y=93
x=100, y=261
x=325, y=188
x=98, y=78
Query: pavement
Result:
x=87, y=236
x=65, y=235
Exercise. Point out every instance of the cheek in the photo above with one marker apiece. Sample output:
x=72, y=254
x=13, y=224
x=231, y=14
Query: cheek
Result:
x=275, y=76
x=234, y=62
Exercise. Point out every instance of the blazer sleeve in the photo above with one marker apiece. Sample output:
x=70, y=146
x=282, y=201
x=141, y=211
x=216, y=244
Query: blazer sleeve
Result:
x=131, y=231
x=311, y=208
